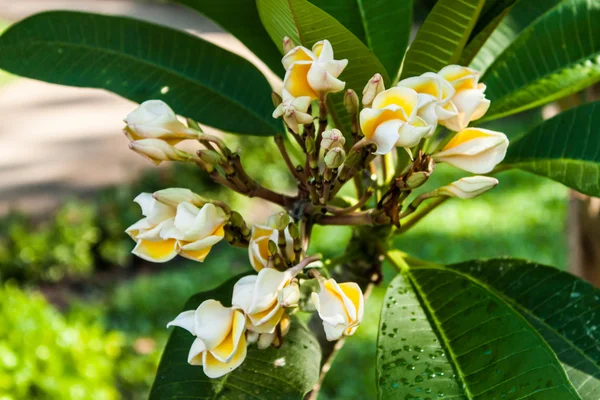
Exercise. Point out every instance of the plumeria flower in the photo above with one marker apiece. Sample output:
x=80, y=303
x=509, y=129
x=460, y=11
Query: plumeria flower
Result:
x=220, y=344
x=312, y=73
x=258, y=248
x=196, y=229
x=435, y=94
x=294, y=110
x=263, y=299
x=340, y=306
x=332, y=138
x=393, y=120
x=474, y=150
x=469, y=187
x=469, y=98
x=154, y=119
x=171, y=228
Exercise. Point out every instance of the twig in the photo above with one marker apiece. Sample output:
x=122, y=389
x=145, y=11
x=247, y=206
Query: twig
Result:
x=405, y=226
x=361, y=202
x=286, y=157
x=361, y=218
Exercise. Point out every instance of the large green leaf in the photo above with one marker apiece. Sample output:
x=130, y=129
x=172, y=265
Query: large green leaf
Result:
x=500, y=329
x=306, y=24
x=563, y=308
x=521, y=15
x=442, y=36
x=565, y=148
x=383, y=25
x=256, y=378
x=555, y=56
x=240, y=18
x=142, y=61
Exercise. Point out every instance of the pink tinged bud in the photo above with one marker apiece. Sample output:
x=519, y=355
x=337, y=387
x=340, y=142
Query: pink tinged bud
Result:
x=351, y=101
x=332, y=138
x=288, y=45
x=157, y=151
x=372, y=89
x=335, y=157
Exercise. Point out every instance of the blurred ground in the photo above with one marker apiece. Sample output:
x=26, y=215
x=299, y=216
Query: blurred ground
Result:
x=57, y=141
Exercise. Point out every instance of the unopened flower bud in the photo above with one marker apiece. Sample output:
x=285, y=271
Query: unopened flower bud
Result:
x=469, y=187
x=154, y=119
x=237, y=220
x=288, y=45
x=157, y=151
x=294, y=231
x=272, y=248
x=289, y=295
x=210, y=157
x=309, y=143
x=332, y=138
x=279, y=220
x=175, y=196
x=417, y=179
x=335, y=157
x=284, y=324
x=372, y=89
x=351, y=101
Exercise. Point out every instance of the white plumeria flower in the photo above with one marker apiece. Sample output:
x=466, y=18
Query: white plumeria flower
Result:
x=435, y=94
x=469, y=187
x=263, y=297
x=175, y=196
x=220, y=345
x=196, y=229
x=293, y=110
x=340, y=306
x=312, y=73
x=146, y=232
x=158, y=150
x=474, y=150
x=393, y=120
x=154, y=119
x=173, y=228
x=258, y=248
x=469, y=99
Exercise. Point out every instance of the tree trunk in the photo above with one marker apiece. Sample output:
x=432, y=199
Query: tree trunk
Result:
x=584, y=237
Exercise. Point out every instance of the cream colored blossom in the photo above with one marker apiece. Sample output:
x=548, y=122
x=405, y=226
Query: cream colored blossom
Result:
x=340, y=306
x=258, y=248
x=435, y=94
x=294, y=110
x=469, y=98
x=393, y=120
x=220, y=344
x=312, y=73
x=469, y=187
x=154, y=119
x=474, y=150
x=169, y=229
x=372, y=89
x=263, y=298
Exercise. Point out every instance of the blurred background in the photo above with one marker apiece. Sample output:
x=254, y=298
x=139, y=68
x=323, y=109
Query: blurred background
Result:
x=80, y=318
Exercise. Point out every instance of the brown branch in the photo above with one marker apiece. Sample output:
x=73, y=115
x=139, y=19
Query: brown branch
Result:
x=360, y=218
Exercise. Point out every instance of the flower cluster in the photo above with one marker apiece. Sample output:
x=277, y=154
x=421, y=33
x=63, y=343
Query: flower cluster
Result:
x=426, y=117
x=259, y=313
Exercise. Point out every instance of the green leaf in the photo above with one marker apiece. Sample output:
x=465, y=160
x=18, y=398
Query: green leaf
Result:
x=488, y=330
x=142, y=61
x=256, y=378
x=240, y=18
x=307, y=24
x=442, y=36
x=555, y=56
x=383, y=25
x=491, y=10
x=521, y=15
x=565, y=148
x=563, y=308
x=477, y=42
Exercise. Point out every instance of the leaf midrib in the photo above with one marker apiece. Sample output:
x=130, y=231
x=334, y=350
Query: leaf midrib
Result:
x=512, y=304
x=146, y=62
